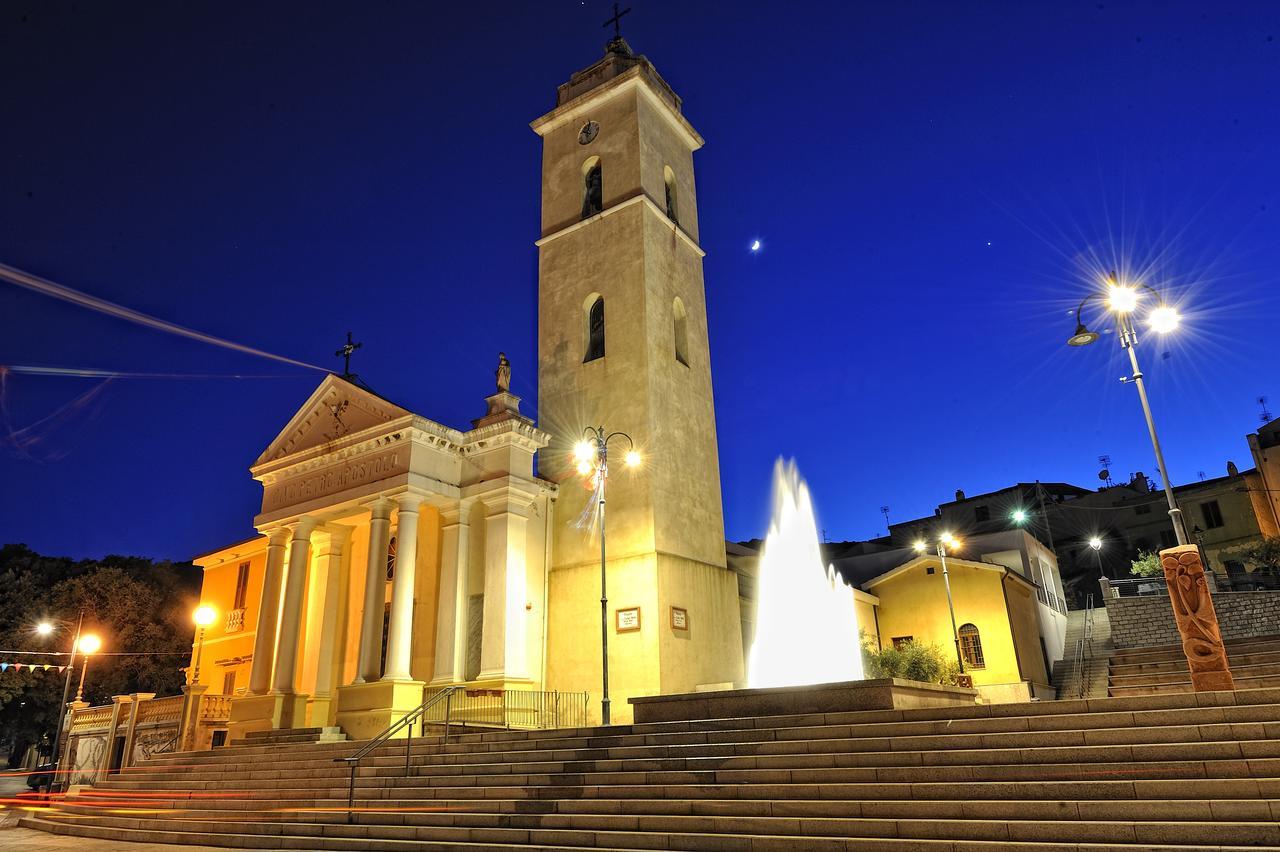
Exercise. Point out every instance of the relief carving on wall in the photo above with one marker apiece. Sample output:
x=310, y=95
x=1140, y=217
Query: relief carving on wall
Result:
x=151, y=743
x=1197, y=621
x=87, y=758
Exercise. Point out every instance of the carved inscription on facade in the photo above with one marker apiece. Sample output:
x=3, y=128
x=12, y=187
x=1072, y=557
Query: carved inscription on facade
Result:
x=334, y=480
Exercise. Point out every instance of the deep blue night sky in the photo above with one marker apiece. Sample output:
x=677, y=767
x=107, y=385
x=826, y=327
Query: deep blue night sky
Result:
x=935, y=185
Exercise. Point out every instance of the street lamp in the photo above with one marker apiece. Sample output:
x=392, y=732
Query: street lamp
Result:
x=1122, y=301
x=203, y=617
x=944, y=541
x=88, y=645
x=1096, y=544
x=592, y=457
x=48, y=628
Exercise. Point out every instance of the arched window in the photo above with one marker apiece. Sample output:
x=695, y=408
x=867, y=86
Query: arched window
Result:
x=594, y=309
x=391, y=558
x=680, y=319
x=971, y=647
x=592, y=188
x=669, y=177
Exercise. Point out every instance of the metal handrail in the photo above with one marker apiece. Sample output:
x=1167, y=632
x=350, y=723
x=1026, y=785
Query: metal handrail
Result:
x=1086, y=639
x=353, y=761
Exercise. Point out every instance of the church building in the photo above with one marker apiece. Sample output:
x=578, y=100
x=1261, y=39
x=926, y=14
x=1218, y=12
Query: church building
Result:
x=396, y=554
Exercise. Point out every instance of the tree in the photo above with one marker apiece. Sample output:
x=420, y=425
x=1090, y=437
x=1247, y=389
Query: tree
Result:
x=1146, y=565
x=134, y=604
x=1265, y=555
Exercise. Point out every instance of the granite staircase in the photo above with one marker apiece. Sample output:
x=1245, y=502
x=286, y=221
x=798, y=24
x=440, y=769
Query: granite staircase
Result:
x=1183, y=771
x=1255, y=664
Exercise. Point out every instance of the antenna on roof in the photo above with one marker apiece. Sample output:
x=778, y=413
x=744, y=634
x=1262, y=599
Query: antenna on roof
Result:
x=884, y=510
x=1105, y=473
x=1264, y=415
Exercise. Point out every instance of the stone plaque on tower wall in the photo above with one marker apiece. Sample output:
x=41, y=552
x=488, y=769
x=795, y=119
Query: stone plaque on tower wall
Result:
x=1197, y=621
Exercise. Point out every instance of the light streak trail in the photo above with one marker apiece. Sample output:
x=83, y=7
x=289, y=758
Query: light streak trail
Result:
x=88, y=373
x=102, y=306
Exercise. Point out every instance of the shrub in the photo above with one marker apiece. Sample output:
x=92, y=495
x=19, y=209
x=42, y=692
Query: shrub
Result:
x=912, y=661
x=1146, y=565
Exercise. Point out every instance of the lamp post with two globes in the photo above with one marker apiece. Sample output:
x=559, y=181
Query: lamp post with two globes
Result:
x=1122, y=302
x=592, y=457
x=944, y=541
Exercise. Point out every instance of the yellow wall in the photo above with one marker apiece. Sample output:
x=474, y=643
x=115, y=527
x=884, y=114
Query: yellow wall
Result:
x=914, y=603
x=218, y=590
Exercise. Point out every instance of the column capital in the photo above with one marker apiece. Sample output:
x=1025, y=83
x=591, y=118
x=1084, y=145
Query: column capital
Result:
x=380, y=506
x=507, y=501
x=303, y=528
x=460, y=513
x=410, y=503
x=278, y=537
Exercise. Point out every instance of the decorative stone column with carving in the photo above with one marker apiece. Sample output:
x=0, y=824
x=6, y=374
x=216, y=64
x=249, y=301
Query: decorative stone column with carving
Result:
x=1197, y=621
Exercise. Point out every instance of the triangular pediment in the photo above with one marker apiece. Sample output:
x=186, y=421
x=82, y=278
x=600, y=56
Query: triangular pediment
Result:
x=336, y=410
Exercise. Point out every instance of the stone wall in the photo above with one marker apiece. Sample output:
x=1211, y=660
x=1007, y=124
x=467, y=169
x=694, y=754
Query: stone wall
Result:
x=1148, y=619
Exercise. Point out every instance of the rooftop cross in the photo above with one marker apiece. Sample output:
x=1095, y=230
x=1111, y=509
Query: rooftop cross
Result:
x=345, y=353
x=616, y=20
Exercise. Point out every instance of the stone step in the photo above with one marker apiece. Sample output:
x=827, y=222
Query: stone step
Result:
x=1115, y=753
x=714, y=832
x=571, y=746
x=492, y=811
x=1252, y=645
x=1181, y=664
x=1267, y=681
x=1238, y=672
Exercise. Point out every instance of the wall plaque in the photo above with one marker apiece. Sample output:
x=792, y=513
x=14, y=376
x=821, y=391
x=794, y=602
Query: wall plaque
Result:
x=679, y=618
x=627, y=620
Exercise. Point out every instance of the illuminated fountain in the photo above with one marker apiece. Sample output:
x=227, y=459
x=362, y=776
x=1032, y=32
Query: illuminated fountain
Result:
x=806, y=625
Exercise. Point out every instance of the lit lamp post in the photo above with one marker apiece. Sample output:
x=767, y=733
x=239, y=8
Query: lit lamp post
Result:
x=592, y=456
x=89, y=644
x=1095, y=544
x=203, y=617
x=944, y=541
x=1122, y=302
x=46, y=629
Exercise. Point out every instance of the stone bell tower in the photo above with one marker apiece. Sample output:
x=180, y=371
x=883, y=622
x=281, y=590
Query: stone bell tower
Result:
x=622, y=343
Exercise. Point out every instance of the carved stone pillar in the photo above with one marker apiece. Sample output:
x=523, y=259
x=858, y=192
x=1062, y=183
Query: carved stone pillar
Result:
x=369, y=667
x=327, y=624
x=451, y=616
x=400, y=628
x=264, y=640
x=295, y=586
x=502, y=652
x=1197, y=620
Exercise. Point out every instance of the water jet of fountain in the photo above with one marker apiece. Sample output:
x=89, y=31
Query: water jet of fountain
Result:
x=806, y=624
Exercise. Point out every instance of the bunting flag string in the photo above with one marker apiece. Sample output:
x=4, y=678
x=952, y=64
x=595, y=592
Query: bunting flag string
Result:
x=31, y=667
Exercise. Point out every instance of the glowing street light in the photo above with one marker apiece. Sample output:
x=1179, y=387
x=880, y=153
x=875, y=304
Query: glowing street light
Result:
x=88, y=645
x=203, y=617
x=44, y=629
x=1095, y=544
x=1019, y=516
x=592, y=456
x=1122, y=302
x=946, y=540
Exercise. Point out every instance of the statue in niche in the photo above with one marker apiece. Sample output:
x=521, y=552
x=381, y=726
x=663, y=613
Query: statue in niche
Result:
x=503, y=373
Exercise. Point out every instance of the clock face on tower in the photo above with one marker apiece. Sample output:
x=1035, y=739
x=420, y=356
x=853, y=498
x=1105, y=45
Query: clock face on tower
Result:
x=588, y=133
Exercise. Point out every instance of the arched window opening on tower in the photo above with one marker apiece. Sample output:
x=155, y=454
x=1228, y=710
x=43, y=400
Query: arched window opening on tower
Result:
x=592, y=188
x=669, y=177
x=680, y=318
x=971, y=647
x=594, y=309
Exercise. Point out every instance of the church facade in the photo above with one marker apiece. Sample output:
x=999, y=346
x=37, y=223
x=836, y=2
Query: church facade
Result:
x=396, y=554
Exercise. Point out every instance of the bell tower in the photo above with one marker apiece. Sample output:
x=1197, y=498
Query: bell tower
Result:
x=622, y=343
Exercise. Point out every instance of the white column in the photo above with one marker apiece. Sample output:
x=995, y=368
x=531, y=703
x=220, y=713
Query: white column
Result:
x=400, y=629
x=375, y=592
x=329, y=603
x=264, y=640
x=451, y=613
x=502, y=648
x=295, y=586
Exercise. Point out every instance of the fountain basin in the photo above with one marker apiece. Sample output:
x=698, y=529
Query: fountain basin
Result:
x=888, y=693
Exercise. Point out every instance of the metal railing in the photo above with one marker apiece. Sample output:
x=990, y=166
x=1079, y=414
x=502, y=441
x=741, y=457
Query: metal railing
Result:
x=1083, y=644
x=1131, y=587
x=520, y=709
x=444, y=696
